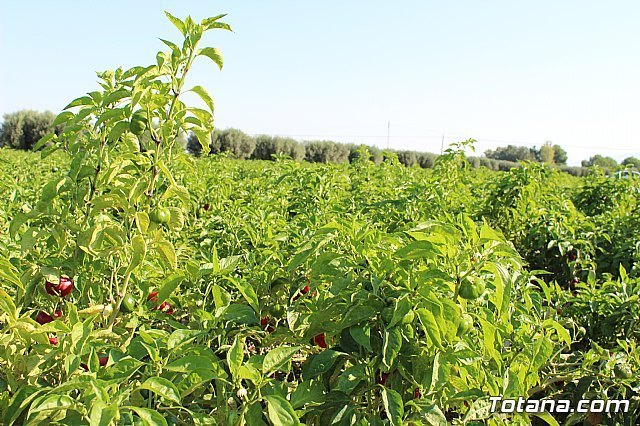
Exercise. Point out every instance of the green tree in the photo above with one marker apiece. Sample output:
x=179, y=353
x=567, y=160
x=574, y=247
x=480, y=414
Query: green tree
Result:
x=233, y=141
x=559, y=155
x=268, y=146
x=22, y=129
x=547, y=153
x=513, y=153
x=326, y=152
x=631, y=161
x=600, y=161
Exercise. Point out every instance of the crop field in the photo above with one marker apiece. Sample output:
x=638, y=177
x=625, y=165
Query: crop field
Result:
x=142, y=285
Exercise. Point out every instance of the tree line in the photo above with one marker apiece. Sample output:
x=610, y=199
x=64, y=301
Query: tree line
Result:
x=22, y=129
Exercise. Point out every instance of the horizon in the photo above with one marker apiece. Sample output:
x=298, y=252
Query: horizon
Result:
x=498, y=73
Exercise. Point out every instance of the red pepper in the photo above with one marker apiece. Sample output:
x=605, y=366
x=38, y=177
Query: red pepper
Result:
x=265, y=323
x=319, y=340
x=382, y=378
x=43, y=318
x=62, y=289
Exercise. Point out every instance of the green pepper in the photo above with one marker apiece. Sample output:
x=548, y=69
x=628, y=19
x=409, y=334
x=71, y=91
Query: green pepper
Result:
x=160, y=215
x=471, y=288
x=138, y=123
x=465, y=324
x=128, y=303
x=623, y=371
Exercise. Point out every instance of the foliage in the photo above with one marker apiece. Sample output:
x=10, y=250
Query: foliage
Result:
x=600, y=161
x=513, y=153
x=548, y=153
x=269, y=147
x=326, y=152
x=352, y=290
x=559, y=155
x=22, y=129
x=631, y=161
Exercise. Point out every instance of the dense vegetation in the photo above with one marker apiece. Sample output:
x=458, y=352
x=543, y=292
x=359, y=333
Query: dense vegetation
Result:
x=142, y=285
x=22, y=129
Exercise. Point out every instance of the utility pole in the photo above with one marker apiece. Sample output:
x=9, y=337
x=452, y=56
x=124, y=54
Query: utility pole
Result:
x=442, y=145
x=388, y=132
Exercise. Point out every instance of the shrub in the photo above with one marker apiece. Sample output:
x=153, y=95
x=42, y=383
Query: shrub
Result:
x=22, y=129
x=268, y=146
x=326, y=152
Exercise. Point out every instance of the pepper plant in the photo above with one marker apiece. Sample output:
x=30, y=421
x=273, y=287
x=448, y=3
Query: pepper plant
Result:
x=103, y=230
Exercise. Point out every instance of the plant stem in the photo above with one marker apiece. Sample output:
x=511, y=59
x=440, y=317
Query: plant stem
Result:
x=121, y=295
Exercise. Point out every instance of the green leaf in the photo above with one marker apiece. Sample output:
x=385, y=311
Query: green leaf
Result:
x=168, y=253
x=362, y=336
x=204, y=138
x=149, y=417
x=181, y=337
x=121, y=370
x=139, y=246
x=52, y=403
x=196, y=379
x=20, y=400
x=162, y=387
x=401, y=308
x=211, y=23
x=175, y=49
x=350, y=378
x=204, y=95
x=176, y=221
x=177, y=22
x=276, y=358
x=102, y=414
x=247, y=292
x=190, y=363
x=42, y=141
x=212, y=53
x=235, y=355
x=430, y=413
x=116, y=96
x=117, y=131
x=542, y=351
x=391, y=345
x=358, y=314
x=563, y=334
x=547, y=418
x=253, y=415
x=430, y=325
x=308, y=392
x=110, y=115
x=280, y=412
x=321, y=363
x=393, y=406
x=63, y=117
x=169, y=285
x=239, y=313
x=142, y=222
x=83, y=100
x=7, y=305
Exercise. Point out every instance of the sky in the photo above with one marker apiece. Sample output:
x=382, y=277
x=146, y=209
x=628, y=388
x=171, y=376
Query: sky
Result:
x=498, y=71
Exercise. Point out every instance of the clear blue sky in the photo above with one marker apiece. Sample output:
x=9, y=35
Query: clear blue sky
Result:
x=498, y=71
